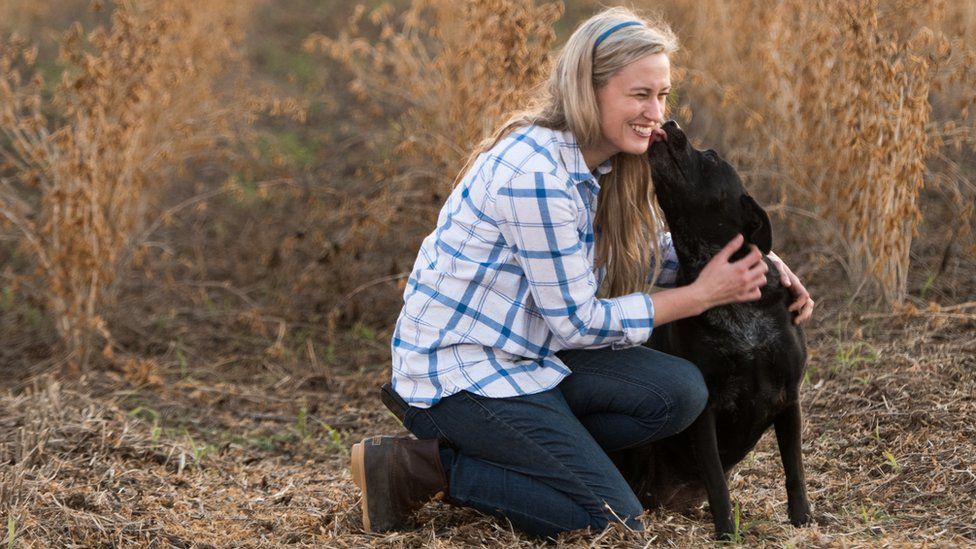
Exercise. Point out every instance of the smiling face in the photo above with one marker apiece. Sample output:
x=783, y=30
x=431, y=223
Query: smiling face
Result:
x=632, y=108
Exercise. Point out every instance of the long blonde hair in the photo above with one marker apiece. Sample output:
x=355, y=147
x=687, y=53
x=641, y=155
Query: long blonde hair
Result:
x=627, y=219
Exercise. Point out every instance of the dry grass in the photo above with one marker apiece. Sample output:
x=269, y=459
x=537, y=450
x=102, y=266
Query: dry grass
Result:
x=888, y=436
x=81, y=167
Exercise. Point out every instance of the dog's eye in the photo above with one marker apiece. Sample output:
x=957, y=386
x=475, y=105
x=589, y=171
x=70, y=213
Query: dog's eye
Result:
x=711, y=156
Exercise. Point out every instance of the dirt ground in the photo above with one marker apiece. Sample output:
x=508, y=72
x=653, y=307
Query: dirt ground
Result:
x=219, y=458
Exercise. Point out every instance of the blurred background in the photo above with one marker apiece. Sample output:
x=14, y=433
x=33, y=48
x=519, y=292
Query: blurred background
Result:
x=208, y=211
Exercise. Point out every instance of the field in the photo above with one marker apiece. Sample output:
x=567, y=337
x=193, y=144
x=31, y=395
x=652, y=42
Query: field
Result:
x=203, y=244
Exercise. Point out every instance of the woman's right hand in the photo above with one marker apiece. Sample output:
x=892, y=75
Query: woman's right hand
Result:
x=722, y=281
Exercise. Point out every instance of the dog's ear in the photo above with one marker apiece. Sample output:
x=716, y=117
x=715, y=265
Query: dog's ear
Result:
x=757, y=229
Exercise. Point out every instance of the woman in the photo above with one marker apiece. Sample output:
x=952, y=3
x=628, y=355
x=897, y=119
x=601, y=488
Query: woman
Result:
x=519, y=377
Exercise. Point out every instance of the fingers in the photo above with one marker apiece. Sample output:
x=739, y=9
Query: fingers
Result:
x=757, y=267
x=757, y=276
x=805, y=312
x=738, y=281
x=726, y=252
x=754, y=277
x=800, y=295
x=785, y=275
x=754, y=256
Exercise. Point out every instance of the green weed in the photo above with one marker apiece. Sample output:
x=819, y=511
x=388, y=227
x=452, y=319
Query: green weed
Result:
x=336, y=442
x=891, y=460
x=200, y=451
x=147, y=413
x=156, y=431
x=738, y=532
x=363, y=331
x=184, y=366
x=11, y=531
x=871, y=516
x=853, y=354
x=928, y=284
x=301, y=424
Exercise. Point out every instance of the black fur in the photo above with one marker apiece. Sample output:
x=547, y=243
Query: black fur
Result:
x=751, y=355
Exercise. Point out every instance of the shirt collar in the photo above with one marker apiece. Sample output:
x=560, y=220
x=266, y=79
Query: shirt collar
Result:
x=572, y=158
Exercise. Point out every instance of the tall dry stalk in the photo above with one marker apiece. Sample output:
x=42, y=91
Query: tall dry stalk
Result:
x=79, y=170
x=439, y=77
x=859, y=87
x=833, y=101
x=450, y=70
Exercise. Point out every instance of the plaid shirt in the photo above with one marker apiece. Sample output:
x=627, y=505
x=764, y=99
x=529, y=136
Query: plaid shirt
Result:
x=507, y=278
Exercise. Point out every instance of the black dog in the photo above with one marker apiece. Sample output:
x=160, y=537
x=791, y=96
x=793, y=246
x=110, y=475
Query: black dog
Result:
x=751, y=355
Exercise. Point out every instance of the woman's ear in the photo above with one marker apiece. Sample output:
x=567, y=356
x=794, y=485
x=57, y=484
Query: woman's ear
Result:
x=757, y=228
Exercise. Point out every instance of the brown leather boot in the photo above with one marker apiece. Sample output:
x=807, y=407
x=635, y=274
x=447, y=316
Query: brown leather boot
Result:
x=397, y=476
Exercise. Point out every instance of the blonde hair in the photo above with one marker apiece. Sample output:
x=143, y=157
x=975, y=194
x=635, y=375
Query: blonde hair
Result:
x=627, y=219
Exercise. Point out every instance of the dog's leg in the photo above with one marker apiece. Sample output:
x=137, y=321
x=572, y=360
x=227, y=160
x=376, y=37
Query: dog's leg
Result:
x=704, y=446
x=788, y=431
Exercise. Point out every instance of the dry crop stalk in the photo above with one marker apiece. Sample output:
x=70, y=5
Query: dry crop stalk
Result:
x=444, y=74
x=80, y=171
x=833, y=100
x=861, y=93
x=451, y=70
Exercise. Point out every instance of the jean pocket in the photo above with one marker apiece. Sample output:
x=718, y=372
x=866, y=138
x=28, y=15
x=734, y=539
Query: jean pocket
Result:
x=409, y=416
x=421, y=423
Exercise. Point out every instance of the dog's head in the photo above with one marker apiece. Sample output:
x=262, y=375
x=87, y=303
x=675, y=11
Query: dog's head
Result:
x=703, y=200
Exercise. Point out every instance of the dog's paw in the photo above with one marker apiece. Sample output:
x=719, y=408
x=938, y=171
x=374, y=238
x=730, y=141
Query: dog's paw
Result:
x=800, y=514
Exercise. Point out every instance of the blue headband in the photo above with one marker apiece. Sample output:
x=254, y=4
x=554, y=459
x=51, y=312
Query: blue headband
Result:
x=612, y=30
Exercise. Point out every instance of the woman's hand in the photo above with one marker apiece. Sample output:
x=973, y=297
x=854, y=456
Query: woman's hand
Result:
x=802, y=302
x=722, y=281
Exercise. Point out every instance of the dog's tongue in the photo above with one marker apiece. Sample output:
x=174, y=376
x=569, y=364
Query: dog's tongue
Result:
x=658, y=135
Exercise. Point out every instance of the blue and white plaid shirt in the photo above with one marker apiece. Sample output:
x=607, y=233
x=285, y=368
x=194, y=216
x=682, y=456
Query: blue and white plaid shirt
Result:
x=507, y=278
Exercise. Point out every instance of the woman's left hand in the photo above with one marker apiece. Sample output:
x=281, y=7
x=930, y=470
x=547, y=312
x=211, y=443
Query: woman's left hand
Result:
x=802, y=302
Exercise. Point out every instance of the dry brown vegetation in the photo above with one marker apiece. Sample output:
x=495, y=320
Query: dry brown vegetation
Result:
x=849, y=110
x=247, y=281
x=83, y=165
x=452, y=71
x=445, y=75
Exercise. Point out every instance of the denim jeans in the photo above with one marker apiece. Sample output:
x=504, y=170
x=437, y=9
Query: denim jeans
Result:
x=541, y=460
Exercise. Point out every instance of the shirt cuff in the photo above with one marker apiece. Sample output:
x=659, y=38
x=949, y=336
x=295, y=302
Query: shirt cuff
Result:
x=636, y=318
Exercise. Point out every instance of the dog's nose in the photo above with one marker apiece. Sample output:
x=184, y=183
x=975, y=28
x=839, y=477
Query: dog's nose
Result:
x=671, y=124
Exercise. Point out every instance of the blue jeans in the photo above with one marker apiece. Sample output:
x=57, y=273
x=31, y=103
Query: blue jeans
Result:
x=541, y=460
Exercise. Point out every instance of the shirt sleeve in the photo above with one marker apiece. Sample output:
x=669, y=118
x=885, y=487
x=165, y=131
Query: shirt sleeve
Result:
x=538, y=218
x=668, y=277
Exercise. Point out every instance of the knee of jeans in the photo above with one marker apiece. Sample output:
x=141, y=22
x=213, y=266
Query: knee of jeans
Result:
x=626, y=513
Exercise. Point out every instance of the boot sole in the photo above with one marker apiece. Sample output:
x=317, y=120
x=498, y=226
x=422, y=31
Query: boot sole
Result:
x=359, y=477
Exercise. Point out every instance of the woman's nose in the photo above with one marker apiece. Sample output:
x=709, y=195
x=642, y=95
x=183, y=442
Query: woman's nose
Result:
x=654, y=111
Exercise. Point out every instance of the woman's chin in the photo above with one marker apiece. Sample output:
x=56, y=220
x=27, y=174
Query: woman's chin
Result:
x=639, y=147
